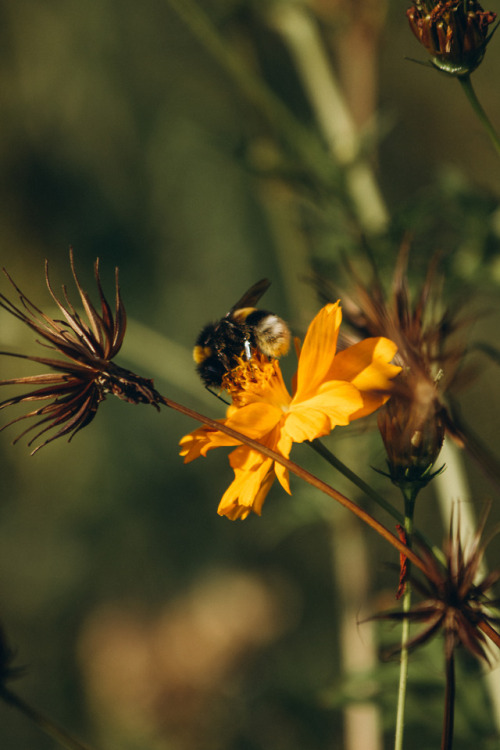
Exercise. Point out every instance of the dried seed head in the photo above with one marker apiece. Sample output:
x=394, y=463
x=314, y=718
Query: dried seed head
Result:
x=413, y=433
x=454, y=601
x=78, y=383
x=430, y=352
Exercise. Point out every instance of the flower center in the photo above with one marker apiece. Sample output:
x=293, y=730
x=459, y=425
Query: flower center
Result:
x=257, y=379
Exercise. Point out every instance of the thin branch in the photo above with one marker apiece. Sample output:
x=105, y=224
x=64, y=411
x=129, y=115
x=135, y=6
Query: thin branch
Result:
x=46, y=724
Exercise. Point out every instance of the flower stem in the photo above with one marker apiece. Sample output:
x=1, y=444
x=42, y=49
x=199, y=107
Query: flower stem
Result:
x=314, y=481
x=470, y=93
x=43, y=722
x=306, y=146
x=449, y=705
x=410, y=495
x=240, y=438
x=334, y=461
x=303, y=38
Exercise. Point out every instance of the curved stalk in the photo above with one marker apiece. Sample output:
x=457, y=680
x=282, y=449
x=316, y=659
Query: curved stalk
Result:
x=43, y=722
x=470, y=93
x=410, y=495
x=449, y=704
x=334, y=461
x=311, y=479
x=301, y=33
x=304, y=143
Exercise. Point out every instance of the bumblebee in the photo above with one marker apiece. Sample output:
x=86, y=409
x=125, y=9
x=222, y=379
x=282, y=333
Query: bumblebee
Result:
x=242, y=329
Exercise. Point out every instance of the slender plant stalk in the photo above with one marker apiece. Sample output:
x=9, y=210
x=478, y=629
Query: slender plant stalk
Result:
x=46, y=724
x=470, y=93
x=449, y=488
x=302, y=36
x=352, y=569
x=449, y=704
x=311, y=479
x=303, y=142
x=334, y=461
x=314, y=481
x=410, y=495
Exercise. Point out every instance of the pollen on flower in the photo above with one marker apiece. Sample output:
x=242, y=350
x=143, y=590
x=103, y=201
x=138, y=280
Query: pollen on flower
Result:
x=249, y=377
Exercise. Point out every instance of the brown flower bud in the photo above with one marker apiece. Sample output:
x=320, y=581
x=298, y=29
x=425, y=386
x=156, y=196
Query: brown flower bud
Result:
x=454, y=32
x=413, y=431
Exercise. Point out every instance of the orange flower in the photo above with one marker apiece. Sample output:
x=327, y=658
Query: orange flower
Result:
x=329, y=390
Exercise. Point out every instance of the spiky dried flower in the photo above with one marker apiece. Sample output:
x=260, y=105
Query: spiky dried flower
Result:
x=455, y=603
x=87, y=375
x=454, y=32
x=413, y=423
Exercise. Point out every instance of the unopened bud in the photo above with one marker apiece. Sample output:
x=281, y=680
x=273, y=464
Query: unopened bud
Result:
x=454, y=32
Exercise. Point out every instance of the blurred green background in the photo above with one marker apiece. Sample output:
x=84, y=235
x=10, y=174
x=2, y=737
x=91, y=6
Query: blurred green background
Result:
x=143, y=619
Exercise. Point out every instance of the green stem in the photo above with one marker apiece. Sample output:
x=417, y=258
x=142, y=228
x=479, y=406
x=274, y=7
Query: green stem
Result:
x=410, y=495
x=449, y=708
x=303, y=38
x=466, y=84
x=334, y=461
x=323, y=451
x=304, y=143
x=43, y=722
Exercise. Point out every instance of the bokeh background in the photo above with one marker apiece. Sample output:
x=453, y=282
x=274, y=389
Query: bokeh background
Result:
x=144, y=621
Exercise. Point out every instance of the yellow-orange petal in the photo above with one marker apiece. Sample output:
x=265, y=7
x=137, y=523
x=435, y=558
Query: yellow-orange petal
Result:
x=318, y=350
x=246, y=459
x=248, y=491
x=197, y=443
x=283, y=477
x=371, y=402
x=194, y=444
x=332, y=405
x=366, y=364
x=255, y=420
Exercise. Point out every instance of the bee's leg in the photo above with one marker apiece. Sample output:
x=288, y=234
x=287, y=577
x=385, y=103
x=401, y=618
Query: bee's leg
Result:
x=216, y=395
x=248, y=351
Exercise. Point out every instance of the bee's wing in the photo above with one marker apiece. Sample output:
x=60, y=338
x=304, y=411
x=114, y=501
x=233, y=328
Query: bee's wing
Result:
x=252, y=295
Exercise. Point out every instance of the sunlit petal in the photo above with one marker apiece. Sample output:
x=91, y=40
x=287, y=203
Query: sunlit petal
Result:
x=318, y=350
x=366, y=364
x=332, y=406
x=248, y=491
x=331, y=391
x=201, y=440
x=283, y=477
x=255, y=420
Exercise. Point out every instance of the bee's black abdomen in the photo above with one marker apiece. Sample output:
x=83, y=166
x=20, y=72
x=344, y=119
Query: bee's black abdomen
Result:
x=216, y=350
